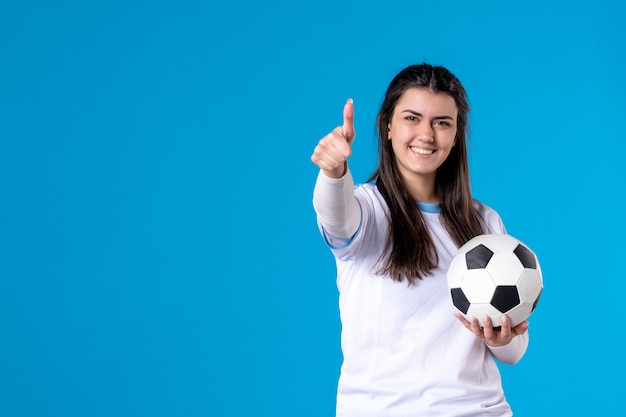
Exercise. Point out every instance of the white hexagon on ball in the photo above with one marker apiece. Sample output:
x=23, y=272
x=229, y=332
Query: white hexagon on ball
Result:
x=478, y=286
x=507, y=267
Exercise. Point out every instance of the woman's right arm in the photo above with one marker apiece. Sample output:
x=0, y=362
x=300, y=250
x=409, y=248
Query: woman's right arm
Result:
x=337, y=209
x=333, y=197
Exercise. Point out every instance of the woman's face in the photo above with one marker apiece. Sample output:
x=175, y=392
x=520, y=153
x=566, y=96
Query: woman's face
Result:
x=422, y=132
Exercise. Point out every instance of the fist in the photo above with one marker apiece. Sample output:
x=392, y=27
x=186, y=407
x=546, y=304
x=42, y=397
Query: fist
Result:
x=332, y=151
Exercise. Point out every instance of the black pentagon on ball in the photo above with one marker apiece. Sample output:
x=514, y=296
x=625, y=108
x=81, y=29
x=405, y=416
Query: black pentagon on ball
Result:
x=525, y=256
x=459, y=300
x=478, y=257
x=505, y=297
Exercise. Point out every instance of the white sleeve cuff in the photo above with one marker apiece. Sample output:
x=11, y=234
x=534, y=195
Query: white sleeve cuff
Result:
x=513, y=352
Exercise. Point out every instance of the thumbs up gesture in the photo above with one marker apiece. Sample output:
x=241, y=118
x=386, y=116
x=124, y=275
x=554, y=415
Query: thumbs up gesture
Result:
x=333, y=150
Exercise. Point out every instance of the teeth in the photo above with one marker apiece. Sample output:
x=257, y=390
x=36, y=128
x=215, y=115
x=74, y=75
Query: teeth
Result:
x=422, y=151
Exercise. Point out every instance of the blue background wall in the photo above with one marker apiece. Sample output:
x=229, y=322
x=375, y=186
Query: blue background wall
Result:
x=158, y=248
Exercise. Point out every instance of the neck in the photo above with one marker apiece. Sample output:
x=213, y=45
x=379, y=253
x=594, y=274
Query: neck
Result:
x=422, y=189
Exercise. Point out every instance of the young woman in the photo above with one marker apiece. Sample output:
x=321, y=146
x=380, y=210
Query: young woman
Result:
x=406, y=352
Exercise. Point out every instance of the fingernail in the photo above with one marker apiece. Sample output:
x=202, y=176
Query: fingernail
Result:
x=350, y=100
x=505, y=319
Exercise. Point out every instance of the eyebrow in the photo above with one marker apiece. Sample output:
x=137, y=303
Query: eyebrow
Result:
x=418, y=114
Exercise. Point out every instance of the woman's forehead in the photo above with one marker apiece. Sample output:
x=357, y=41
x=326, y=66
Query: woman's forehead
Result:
x=422, y=100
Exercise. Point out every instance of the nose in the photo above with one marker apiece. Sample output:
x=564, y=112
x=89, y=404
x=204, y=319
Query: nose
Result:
x=426, y=133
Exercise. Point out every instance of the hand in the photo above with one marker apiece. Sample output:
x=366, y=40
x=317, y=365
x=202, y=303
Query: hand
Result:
x=491, y=337
x=333, y=150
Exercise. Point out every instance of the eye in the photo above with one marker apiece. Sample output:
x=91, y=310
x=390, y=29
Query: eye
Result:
x=442, y=123
x=411, y=118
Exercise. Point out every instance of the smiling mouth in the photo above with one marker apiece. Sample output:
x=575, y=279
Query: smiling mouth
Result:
x=421, y=151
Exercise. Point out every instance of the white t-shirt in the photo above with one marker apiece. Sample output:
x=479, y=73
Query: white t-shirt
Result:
x=405, y=353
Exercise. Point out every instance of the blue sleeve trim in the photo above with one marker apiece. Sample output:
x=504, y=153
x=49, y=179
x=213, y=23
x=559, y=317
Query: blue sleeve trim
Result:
x=345, y=242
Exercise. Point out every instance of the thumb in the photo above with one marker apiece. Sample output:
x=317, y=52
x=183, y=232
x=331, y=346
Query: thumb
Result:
x=348, y=121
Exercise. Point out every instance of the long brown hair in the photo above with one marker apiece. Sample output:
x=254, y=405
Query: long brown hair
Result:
x=410, y=250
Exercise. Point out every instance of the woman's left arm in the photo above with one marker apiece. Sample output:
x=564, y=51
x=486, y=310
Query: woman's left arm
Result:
x=507, y=345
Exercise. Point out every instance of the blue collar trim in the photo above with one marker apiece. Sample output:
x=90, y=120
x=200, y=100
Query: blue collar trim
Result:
x=429, y=207
x=425, y=207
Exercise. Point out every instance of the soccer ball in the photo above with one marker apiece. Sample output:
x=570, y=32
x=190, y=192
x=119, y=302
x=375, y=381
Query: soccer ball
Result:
x=495, y=274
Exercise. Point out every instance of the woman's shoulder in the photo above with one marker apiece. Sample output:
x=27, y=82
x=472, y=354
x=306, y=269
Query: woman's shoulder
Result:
x=371, y=200
x=489, y=217
x=368, y=189
x=482, y=207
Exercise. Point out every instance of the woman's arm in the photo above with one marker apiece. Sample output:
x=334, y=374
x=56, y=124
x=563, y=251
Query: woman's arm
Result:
x=513, y=352
x=508, y=344
x=337, y=209
x=333, y=197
